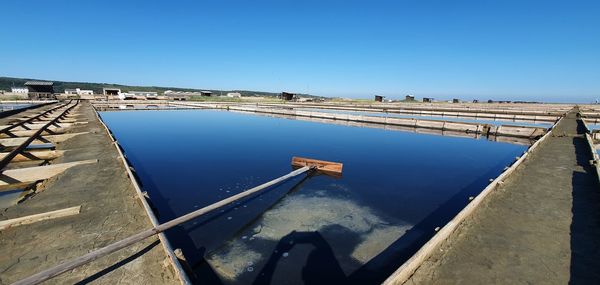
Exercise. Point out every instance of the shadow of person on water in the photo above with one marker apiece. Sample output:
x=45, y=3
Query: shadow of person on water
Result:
x=321, y=266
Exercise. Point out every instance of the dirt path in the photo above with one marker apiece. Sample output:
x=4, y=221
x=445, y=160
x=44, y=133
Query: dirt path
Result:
x=109, y=212
x=541, y=227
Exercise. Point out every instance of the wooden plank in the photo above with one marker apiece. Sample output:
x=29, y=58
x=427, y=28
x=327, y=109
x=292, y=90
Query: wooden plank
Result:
x=39, y=217
x=13, y=142
x=36, y=126
x=79, y=261
x=33, y=174
x=35, y=155
x=67, y=120
x=28, y=133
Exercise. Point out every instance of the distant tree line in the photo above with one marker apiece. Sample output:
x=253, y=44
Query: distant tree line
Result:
x=59, y=87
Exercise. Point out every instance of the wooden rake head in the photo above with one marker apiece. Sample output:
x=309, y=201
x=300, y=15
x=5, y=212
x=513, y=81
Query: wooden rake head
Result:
x=321, y=166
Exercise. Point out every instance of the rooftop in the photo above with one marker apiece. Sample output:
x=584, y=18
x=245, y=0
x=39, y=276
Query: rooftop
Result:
x=34, y=82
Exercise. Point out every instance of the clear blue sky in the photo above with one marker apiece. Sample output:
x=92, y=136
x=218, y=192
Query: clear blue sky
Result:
x=530, y=50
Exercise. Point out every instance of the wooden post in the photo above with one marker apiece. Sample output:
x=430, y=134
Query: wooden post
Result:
x=39, y=217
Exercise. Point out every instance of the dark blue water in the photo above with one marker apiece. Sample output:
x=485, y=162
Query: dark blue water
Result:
x=396, y=188
x=438, y=118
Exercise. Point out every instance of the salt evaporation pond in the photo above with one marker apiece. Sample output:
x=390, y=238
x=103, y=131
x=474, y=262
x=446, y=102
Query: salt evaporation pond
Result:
x=438, y=118
x=397, y=187
x=593, y=127
x=13, y=106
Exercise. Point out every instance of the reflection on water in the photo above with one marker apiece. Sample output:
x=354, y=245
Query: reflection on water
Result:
x=397, y=187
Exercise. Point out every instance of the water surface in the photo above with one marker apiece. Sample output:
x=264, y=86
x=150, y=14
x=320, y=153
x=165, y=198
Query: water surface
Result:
x=396, y=188
x=13, y=106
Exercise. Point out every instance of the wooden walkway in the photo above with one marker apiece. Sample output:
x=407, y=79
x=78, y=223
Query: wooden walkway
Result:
x=541, y=227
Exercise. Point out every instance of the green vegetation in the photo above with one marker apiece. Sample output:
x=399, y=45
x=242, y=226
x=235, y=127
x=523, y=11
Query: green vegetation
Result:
x=59, y=87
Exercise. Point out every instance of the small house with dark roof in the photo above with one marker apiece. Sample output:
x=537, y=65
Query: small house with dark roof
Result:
x=287, y=96
x=40, y=89
x=111, y=91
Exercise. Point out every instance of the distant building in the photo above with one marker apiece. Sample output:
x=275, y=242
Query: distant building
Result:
x=78, y=91
x=409, y=98
x=19, y=90
x=427, y=100
x=455, y=101
x=40, y=89
x=181, y=95
x=287, y=96
x=378, y=98
x=234, y=95
x=111, y=91
x=206, y=93
x=305, y=100
x=144, y=94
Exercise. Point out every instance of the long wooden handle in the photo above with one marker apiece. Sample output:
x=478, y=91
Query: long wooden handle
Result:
x=76, y=262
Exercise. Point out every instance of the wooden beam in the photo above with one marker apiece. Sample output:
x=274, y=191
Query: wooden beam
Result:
x=64, y=120
x=39, y=217
x=35, y=155
x=28, y=133
x=76, y=262
x=37, y=126
x=15, y=177
x=13, y=142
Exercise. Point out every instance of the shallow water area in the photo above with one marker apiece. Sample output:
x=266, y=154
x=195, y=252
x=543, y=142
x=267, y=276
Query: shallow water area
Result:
x=11, y=197
x=592, y=127
x=396, y=188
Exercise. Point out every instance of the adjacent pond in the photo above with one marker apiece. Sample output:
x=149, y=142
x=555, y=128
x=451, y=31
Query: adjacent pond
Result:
x=396, y=188
x=439, y=118
x=13, y=106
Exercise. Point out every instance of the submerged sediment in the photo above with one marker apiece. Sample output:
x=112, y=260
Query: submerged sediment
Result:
x=352, y=233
